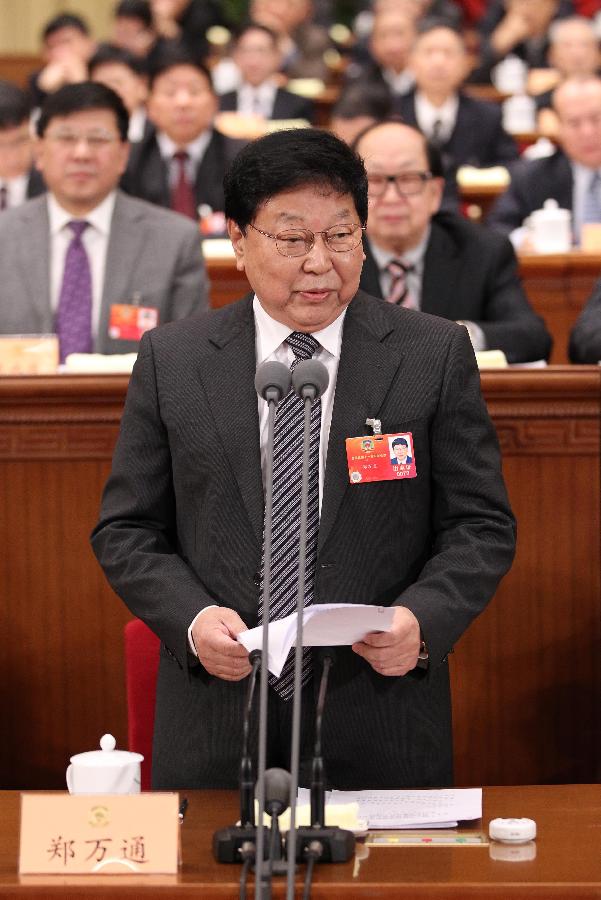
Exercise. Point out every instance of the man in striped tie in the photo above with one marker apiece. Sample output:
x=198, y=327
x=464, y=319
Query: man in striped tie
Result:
x=181, y=531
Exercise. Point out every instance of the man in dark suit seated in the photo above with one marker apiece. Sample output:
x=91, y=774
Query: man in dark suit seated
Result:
x=180, y=534
x=585, y=337
x=385, y=59
x=180, y=162
x=257, y=55
x=571, y=176
x=86, y=261
x=19, y=180
x=439, y=262
x=467, y=131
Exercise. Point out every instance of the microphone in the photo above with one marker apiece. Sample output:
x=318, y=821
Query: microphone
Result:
x=310, y=379
x=229, y=843
x=277, y=798
x=335, y=844
x=247, y=783
x=272, y=381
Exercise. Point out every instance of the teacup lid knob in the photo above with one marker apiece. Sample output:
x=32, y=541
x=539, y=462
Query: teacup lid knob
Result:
x=107, y=743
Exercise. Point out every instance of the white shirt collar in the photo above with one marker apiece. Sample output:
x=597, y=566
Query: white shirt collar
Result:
x=427, y=114
x=271, y=333
x=265, y=91
x=99, y=218
x=413, y=257
x=195, y=149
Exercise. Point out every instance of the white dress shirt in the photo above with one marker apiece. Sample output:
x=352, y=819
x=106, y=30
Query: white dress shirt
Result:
x=399, y=82
x=137, y=125
x=270, y=337
x=195, y=150
x=259, y=100
x=427, y=114
x=16, y=190
x=95, y=239
x=582, y=176
x=413, y=257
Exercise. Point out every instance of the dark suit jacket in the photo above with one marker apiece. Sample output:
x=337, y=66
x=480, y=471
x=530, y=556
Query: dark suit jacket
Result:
x=532, y=182
x=585, y=338
x=472, y=274
x=146, y=175
x=35, y=184
x=478, y=138
x=286, y=105
x=152, y=253
x=182, y=519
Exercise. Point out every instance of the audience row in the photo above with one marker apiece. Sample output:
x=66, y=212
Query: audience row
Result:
x=80, y=257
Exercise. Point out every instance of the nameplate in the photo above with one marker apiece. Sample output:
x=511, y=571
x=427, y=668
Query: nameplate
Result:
x=31, y=354
x=99, y=833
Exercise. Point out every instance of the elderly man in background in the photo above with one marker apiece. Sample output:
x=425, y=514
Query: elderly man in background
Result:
x=571, y=176
x=439, y=262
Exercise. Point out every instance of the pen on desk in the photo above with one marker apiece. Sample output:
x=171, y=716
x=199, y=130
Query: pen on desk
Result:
x=182, y=809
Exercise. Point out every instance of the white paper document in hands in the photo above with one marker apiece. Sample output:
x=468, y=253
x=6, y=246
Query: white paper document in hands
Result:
x=324, y=625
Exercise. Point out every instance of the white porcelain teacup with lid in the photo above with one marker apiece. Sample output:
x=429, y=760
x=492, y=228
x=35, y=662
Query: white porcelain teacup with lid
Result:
x=105, y=771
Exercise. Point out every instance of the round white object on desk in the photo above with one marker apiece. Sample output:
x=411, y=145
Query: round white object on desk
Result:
x=512, y=831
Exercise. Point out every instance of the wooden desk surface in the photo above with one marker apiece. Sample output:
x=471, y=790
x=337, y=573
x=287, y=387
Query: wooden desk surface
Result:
x=567, y=859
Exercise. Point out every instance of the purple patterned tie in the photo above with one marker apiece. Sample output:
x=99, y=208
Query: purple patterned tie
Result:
x=74, y=314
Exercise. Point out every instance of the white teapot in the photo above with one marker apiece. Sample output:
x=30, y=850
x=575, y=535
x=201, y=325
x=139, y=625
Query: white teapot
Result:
x=550, y=228
x=510, y=75
x=105, y=771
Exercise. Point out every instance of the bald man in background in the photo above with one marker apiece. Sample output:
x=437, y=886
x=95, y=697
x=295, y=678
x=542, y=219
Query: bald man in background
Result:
x=571, y=176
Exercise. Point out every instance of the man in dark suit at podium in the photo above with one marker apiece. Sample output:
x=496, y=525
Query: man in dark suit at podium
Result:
x=180, y=535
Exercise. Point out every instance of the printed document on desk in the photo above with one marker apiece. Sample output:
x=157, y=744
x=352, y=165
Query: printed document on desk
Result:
x=324, y=625
x=436, y=808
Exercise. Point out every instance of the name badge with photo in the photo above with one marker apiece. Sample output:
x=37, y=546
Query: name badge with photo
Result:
x=128, y=322
x=380, y=457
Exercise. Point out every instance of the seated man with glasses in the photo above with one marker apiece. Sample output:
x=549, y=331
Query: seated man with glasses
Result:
x=180, y=535
x=438, y=262
x=86, y=261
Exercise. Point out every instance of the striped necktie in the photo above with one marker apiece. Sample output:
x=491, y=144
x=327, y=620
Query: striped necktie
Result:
x=287, y=477
x=399, y=289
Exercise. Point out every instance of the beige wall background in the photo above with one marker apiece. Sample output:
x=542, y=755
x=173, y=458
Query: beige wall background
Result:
x=22, y=20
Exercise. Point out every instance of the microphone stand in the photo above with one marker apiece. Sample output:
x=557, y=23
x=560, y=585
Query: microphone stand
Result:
x=298, y=652
x=309, y=379
x=272, y=391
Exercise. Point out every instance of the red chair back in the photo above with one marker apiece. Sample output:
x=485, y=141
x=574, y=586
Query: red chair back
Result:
x=141, y=668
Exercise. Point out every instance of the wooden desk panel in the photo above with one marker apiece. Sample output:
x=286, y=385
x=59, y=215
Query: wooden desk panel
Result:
x=527, y=677
x=567, y=861
x=558, y=286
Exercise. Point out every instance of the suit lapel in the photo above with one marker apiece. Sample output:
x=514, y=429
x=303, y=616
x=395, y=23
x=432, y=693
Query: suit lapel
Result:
x=441, y=272
x=366, y=370
x=126, y=239
x=228, y=376
x=34, y=258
